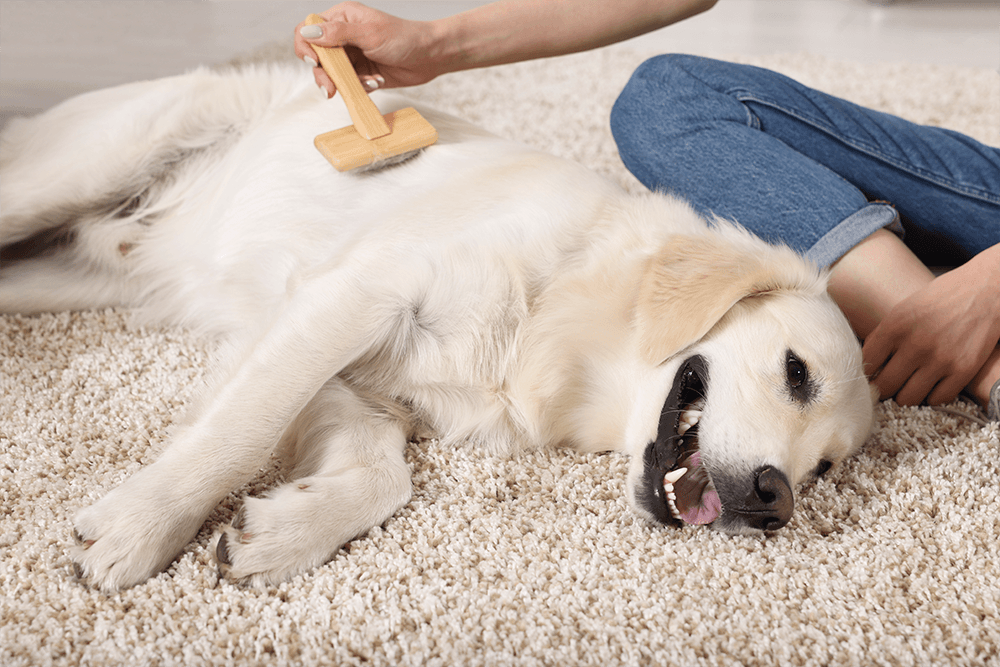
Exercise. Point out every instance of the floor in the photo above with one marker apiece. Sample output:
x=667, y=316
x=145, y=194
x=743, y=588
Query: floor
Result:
x=52, y=49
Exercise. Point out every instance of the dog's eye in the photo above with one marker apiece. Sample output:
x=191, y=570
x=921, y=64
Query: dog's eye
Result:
x=823, y=467
x=800, y=385
x=796, y=371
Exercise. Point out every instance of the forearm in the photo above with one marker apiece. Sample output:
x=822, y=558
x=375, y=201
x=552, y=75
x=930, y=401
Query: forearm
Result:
x=515, y=30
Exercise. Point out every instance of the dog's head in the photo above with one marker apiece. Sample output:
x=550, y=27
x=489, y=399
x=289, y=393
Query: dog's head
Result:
x=763, y=378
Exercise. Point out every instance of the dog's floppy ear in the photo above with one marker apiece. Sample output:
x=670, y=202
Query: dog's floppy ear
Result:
x=694, y=280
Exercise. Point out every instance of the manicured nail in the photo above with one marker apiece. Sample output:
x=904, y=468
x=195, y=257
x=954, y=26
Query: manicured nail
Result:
x=311, y=62
x=311, y=31
x=371, y=84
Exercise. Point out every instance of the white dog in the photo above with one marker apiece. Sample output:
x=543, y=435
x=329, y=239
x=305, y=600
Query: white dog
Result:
x=485, y=293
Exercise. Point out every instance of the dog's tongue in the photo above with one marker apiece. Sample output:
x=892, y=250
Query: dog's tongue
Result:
x=697, y=500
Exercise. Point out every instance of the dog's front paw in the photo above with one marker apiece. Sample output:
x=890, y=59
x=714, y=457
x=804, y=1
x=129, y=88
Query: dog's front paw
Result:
x=129, y=535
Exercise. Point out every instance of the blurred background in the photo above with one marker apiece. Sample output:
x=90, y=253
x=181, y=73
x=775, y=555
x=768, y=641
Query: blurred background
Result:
x=53, y=49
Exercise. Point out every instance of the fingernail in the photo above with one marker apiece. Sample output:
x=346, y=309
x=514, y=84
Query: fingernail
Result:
x=311, y=31
x=371, y=84
x=309, y=60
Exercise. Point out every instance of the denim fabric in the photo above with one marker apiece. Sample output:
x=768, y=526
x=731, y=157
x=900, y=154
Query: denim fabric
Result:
x=798, y=166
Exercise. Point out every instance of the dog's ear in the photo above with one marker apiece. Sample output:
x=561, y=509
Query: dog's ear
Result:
x=694, y=280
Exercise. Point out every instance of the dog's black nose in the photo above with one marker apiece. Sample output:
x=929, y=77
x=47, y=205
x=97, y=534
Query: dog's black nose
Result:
x=763, y=501
x=772, y=507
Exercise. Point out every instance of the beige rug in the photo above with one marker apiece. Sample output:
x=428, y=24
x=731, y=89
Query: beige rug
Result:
x=893, y=559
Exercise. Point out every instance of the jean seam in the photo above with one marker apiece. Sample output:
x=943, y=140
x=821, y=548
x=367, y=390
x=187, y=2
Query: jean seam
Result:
x=973, y=193
x=753, y=121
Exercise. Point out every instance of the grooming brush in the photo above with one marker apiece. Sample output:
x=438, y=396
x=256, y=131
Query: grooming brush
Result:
x=373, y=141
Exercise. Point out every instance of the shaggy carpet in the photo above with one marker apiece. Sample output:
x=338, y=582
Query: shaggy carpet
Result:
x=889, y=560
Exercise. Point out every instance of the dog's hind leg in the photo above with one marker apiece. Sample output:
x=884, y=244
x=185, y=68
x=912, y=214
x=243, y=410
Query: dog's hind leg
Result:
x=58, y=282
x=350, y=475
x=86, y=262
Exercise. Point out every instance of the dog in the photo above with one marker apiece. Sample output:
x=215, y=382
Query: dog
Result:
x=482, y=293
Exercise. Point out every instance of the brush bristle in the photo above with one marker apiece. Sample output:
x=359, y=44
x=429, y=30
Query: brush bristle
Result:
x=385, y=163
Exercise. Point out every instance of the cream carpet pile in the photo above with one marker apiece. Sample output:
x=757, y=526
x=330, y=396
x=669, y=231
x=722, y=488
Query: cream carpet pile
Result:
x=893, y=559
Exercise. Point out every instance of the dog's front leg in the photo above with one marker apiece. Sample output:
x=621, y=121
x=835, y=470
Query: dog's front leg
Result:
x=138, y=528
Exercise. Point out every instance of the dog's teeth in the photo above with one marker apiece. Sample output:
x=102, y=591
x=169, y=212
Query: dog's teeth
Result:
x=668, y=487
x=691, y=417
x=673, y=508
x=683, y=428
x=671, y=496
x=674, y=475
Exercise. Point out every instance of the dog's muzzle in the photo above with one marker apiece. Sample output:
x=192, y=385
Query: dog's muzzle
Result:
x=677, y=487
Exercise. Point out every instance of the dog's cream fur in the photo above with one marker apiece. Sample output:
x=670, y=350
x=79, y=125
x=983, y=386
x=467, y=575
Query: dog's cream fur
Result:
x=484, y=293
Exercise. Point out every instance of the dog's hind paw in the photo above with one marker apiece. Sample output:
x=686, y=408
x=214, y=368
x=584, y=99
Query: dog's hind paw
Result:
x=267, y=543
x=301, y=526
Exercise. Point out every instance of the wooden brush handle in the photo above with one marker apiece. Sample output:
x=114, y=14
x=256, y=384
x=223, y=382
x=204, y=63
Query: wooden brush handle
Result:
x=367, y=118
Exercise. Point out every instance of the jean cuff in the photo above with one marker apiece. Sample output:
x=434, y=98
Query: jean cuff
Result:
x=852, y=230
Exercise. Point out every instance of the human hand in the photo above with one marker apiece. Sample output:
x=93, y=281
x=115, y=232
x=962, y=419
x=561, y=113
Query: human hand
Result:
x=931, y=345
x=385, y=51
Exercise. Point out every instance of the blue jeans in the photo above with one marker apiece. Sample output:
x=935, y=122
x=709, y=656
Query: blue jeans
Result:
x=801, y=167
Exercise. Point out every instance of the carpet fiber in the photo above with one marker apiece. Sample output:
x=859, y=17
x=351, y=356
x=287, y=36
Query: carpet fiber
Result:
x=889, y=560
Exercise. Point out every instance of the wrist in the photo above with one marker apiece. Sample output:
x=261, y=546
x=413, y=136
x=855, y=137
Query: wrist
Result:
x=989, y=261
x=984, y=270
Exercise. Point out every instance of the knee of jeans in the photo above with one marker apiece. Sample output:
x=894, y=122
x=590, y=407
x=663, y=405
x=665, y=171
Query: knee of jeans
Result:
x=668, y=65
x=660, y=84
x=659, y=89
x=663, y=75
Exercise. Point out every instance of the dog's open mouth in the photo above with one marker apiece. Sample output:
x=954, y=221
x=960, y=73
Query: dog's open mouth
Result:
x=678, y=485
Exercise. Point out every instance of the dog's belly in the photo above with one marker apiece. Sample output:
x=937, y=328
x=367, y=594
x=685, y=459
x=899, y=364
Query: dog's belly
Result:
x=470, y=212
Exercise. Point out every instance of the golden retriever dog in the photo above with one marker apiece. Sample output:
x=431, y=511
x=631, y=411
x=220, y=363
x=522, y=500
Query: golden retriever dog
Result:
x=482, y=293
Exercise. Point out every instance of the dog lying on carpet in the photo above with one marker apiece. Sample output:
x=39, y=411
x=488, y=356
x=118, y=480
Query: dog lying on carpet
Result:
x=482, y=293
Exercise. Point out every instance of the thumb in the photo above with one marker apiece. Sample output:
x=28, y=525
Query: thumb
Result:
x=318, y=35
x=334, y=33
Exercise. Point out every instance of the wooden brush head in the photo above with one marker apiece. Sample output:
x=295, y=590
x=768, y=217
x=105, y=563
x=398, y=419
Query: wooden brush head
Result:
x=346, y=149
